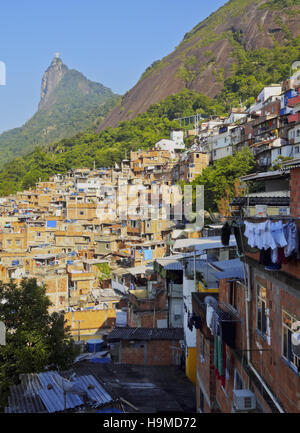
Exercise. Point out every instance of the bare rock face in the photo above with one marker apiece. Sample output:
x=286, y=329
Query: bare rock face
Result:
x=50, y=81
x=209, y=49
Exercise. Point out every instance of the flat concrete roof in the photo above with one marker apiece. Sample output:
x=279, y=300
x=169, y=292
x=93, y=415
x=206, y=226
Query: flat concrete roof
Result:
x=152, y=389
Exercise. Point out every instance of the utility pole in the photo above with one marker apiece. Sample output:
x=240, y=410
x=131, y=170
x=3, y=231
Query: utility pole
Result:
x=79, y=328
x=195, y=282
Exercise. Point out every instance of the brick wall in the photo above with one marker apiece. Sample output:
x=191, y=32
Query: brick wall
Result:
x=145, y=319
x=205, y=377
x=155, y=352
x=280, y=376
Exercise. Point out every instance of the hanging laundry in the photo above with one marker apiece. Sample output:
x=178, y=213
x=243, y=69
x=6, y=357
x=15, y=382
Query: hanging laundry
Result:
x=239, y=229
x=273, y=267
x=219, y=359
x=198, y=323
x=268, y=241
x=209, y=315
x=278, y=234
x=189, y=325
x=274, y=255
x=292, y=247
x=225, y=233
x=265, y=257
x=281, y=259
x=195, y=321
x=259, y=230
x=215, y=323
x=249, y=233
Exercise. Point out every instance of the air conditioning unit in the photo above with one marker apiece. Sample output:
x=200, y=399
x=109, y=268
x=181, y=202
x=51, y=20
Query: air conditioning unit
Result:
x=243, y=400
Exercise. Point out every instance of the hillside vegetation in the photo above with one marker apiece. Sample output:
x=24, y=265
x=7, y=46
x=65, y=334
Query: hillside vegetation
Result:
x=77, y=104
x=217, y=50
x=111, y=146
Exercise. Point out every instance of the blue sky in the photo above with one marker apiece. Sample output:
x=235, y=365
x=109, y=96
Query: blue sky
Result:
x=111, y=42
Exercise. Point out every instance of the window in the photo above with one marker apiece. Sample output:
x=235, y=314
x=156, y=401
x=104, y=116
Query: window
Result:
x=202, y=348
x=278, y=151
x=107, y=246
x=38, y=233
x=232, y=294
x=18, y=242
x=297, y=149
x=261, y=318
x=287, y=353
x=197, y=155
x=81, y=212
x=201, y=401
x=238, y=381
x=298, y=132
x=9, y=242
x=215, y=153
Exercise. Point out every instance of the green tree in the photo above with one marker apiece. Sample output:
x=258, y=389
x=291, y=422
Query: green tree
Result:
x=35, y=339
x=219, y=179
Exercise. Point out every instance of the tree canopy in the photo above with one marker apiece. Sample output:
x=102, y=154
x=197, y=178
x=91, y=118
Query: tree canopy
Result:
x=35, y=339
x=220, y=179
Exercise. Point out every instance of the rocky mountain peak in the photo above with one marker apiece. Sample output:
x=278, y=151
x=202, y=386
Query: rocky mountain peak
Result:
x=51, y=79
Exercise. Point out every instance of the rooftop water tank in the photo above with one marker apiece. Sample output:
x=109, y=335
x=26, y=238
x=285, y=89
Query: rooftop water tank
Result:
x=94, y=345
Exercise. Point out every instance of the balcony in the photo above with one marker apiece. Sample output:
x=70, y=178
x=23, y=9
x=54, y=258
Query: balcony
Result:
x=294, y=101
x=294, y=118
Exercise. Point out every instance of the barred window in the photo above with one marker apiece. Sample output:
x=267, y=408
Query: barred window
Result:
x=287, y=353
x=261, y=318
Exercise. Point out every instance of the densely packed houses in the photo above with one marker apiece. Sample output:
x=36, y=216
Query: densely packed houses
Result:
x=220, y=301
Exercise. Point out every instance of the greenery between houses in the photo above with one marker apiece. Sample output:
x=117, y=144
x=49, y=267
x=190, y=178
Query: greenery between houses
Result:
x=104, y=270
x=220, y=180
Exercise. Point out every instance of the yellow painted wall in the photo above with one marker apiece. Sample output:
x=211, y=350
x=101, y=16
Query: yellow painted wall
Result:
x=190, y=365
x=92, y=320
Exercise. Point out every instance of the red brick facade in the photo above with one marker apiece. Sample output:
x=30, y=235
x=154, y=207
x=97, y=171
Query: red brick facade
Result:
x=276, y=383
x=153, y=352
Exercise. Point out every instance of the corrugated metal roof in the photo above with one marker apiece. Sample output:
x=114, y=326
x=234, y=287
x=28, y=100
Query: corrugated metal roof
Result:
x=20, y=402
x=146, y=334
x=270, y=200
x=53, y=399
x=97, y=393
x=229, y=269
x=140, y=269
x=139, y=293
x=171, y=263
x=33, y=395
x=203, y=244
x=263, y=175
